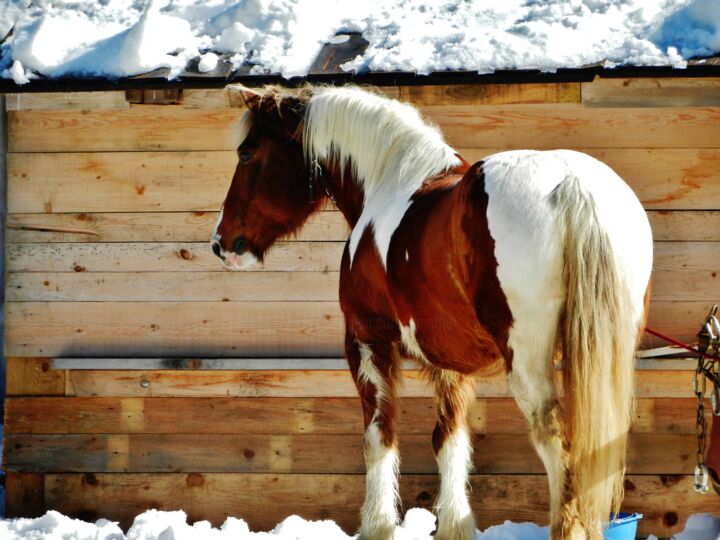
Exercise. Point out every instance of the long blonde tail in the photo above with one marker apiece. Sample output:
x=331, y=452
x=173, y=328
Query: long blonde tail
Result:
x=598, y=338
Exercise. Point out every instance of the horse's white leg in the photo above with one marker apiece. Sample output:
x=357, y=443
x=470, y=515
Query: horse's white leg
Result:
x=374, y=373
x=453, y=449
x=532, y=385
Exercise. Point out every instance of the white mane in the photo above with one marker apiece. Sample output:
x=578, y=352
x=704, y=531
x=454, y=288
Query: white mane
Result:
x=391, y=151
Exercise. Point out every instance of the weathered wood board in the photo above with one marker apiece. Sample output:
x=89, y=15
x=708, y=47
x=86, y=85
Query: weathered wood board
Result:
x=675, y=178
x=215, y=414
x=307, y=454
x=665, y=500
x=111, y=205
x=163, y=128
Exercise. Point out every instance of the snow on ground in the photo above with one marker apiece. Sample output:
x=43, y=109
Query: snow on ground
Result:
x=115, y=38
x=154, y=525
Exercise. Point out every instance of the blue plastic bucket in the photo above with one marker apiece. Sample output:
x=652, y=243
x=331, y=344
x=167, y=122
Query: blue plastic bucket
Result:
x=623, y=527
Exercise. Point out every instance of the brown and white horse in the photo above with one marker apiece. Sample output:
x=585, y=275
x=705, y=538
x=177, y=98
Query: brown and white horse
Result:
x=513, y=262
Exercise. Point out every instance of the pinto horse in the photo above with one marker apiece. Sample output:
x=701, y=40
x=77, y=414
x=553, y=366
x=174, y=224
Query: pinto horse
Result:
x=521, y=260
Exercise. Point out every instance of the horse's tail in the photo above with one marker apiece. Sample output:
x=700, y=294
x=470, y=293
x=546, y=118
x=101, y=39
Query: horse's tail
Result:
x=598, y=336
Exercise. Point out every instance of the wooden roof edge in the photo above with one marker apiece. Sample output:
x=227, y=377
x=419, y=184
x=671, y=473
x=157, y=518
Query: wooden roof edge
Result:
x=153, y=81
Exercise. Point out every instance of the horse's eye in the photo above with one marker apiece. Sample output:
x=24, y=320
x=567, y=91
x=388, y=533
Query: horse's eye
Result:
x=244, y=156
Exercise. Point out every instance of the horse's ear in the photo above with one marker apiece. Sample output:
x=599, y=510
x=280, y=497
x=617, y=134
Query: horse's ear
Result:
x=239, y=95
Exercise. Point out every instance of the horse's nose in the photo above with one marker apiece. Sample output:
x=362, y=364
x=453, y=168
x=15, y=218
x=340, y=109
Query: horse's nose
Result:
x=216, y=250
x=240, y=245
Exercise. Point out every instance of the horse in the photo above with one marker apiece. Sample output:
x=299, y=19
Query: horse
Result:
x=517, y=262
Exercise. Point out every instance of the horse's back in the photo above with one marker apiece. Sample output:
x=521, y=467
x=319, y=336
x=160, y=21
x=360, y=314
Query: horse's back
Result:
x=526, y=225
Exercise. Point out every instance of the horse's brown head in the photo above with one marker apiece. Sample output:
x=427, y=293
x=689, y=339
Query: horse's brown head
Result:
x=273, y=189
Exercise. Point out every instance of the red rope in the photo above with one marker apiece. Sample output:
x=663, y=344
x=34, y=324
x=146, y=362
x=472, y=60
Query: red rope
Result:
x=679, y=343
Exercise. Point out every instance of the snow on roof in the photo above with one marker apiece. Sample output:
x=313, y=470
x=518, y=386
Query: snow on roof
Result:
x=112, y=39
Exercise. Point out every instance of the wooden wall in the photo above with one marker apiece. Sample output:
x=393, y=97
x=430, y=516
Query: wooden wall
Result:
x=110, y=207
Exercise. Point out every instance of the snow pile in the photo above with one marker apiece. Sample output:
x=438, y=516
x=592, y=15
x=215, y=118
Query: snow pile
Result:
x=419, y=524
x=116, y=38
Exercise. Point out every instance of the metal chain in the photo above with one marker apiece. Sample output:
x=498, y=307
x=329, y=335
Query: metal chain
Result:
x=708, y=338
x=699, y=387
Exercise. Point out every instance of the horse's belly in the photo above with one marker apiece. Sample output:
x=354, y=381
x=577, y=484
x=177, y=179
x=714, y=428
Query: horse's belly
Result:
x=464, y=346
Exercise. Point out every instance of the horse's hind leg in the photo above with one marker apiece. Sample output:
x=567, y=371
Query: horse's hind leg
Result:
x=374, y=371
x=453, y=449
x=532, y=385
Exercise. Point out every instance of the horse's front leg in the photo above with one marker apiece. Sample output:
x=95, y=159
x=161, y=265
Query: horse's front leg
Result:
x=453, y=449
x=374, y=371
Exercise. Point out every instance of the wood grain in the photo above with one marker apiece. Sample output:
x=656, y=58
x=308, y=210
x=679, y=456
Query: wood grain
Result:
x=686, y=272
x=652, y=92
x=173, y=272
x=173, y=328
x=172, y=287
x=65, y=100
x=118, y=181
x=490, y=94
x=292, y=416
x=688, y=226
x=149, y=227
x=159, y=128
x=307, y=454
x=150, y=127
x=668, y=178
x=164, y=257
x=667, y=225
x=24, y=495
x=309, y=383
x=573, y=126
x=33, y=376
x=214, y=496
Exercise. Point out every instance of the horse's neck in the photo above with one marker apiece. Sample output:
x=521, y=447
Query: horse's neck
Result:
x=345, y=191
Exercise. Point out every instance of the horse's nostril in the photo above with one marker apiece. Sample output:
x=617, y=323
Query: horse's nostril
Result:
x=240, y=245
x=216, y=249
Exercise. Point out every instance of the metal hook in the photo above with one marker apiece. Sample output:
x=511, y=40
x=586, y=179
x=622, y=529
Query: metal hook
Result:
x=701, y=479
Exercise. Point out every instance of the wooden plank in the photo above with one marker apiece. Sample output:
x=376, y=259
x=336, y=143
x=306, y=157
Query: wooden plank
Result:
x=683, y=271
x=66, y=101
x=165, y=257
x=571, y=126
x=666, y=501
x=667, y=226
x=310, y=383
x=689, y=226
x=652, y=92
x=681, y=320
x=686, y=271
x=205, y=98
x=149, y=227
x=686, y=178
x=24, y=494
x=172, y=287
x=224, y=329
x=118, y=182
x=507, y=126
x=290, y=416
x=490, y=94
x=150, y=127
x=33, y=376
x=307, y=454
x=173, y=329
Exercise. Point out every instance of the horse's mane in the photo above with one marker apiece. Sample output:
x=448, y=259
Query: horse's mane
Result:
x=386, y=143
